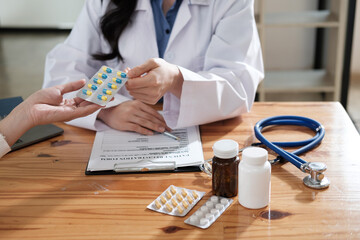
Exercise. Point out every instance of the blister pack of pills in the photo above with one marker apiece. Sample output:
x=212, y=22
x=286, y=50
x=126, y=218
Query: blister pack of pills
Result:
x=209, y=212
x=101, y=88
x=176, y=201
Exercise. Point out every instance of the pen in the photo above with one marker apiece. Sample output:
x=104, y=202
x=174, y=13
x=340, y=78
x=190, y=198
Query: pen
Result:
x=171, y=135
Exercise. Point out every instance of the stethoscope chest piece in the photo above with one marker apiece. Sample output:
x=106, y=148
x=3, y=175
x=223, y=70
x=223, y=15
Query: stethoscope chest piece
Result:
x=316, y=179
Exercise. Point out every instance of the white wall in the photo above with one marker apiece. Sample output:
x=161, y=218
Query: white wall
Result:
x=39, y=13
x=355, y=59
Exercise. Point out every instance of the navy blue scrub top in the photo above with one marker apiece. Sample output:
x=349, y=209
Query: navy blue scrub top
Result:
x=164, y=24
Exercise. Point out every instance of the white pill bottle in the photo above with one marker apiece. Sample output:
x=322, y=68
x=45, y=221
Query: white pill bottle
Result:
x=254, y=178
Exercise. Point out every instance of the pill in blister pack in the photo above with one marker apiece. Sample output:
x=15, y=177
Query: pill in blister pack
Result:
x=209, y=212
x=101, y=88
x=176, y=201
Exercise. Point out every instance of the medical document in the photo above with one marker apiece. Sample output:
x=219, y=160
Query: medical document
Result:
x=112, y=147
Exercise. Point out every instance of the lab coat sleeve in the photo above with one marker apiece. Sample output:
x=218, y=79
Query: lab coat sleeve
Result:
x=72, y=60
x=233, y=68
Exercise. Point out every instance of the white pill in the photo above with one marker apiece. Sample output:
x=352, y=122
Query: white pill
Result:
x=204, y=221
x=194, y=219
x=224, y=201
x=215, y=212
x=214, y=199
x=199, y=214
x=204, y=209
x=209, y=204
x=219, y=206
x=210, y=217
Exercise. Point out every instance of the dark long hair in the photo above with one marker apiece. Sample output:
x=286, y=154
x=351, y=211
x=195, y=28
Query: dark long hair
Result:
x=113, y=24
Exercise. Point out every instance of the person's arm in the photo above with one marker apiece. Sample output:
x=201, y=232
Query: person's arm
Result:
x=14, y=125
x=224, y=86
x=44, y=107
x=73, y=59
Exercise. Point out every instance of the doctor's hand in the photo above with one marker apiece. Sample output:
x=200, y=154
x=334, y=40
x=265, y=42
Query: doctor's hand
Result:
x=134, y=116
x=43, y=107
x=151, y=80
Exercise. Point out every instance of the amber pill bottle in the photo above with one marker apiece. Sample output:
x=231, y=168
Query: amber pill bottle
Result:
x=225, y=168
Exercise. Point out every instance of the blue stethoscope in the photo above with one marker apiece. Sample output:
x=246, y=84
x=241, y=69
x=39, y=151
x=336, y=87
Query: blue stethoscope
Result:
x=316, y=178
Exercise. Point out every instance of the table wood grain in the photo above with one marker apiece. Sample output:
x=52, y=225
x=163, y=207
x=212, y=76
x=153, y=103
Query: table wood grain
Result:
x=44, y=193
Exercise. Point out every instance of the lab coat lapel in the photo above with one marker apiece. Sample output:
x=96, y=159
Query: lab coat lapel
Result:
x=182, y=18
x=144, y=5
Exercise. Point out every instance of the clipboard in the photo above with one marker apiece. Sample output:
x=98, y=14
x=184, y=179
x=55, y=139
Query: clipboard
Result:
x=145, y=169
x=118, y=152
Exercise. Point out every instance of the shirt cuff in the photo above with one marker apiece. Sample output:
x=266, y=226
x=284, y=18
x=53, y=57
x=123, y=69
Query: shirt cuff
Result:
x=4, y=146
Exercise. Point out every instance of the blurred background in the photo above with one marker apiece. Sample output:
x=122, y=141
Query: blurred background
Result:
x=311, y=48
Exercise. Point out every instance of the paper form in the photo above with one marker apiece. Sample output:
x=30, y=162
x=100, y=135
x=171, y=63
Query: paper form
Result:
x=112, y=147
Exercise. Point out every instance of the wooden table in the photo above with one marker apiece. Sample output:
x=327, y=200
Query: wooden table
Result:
x=44, y=193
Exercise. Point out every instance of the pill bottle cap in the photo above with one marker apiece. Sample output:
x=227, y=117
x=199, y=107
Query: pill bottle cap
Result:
x=226, y=148
x=255, y=155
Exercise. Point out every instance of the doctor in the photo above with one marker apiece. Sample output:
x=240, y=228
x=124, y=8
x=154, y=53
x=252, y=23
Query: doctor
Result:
x=202, y=56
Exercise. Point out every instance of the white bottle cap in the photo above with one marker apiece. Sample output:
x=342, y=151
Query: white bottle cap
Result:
x=255, y=155
x=226, y=149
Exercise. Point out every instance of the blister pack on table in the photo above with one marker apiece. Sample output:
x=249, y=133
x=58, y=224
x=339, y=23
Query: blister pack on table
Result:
x=176, y=201
x=209, y=212
x=102, y=87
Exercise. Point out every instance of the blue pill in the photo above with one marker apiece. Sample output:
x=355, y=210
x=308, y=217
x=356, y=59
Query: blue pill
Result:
x=93, y=87
x=113, y=86
x=97, y=81
x=117, y=80
x=106, y=69
x=101, y=97
x=106, y=91
x=102, y=75
x=86, y=92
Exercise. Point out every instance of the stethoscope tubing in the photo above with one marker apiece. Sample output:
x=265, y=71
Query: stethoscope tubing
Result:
x=291, y=120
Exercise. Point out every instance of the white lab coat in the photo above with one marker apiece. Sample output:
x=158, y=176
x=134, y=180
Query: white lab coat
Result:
x=215, y=43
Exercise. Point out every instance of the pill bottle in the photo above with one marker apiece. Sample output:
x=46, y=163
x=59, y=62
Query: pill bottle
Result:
x=225, y=168
x=254, y=178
